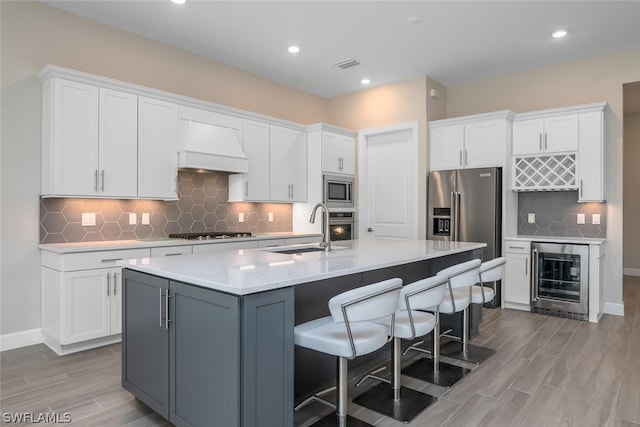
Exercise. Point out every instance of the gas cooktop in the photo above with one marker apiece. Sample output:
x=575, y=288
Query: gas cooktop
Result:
x=210, y=235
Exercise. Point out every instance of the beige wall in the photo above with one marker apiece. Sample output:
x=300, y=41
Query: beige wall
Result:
x=593, y=80
x=34, y=35
x=632, y=192
x=388, y=105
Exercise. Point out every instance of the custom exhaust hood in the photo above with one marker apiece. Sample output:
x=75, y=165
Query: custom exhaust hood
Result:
x=210, y=141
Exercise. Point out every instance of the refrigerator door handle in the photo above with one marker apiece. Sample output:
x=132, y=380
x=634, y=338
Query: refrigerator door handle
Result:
x=452, y=226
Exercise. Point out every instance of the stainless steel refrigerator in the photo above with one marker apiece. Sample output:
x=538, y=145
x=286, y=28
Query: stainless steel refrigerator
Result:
x=466, y=205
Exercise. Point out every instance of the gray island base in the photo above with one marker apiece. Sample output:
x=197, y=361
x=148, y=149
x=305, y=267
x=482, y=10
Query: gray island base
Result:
x=208, y=339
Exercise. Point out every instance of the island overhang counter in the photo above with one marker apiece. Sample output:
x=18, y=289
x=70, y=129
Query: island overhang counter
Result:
x=208, y=339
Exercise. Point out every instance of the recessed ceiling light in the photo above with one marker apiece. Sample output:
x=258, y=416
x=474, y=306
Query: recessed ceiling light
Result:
x=293, y=49
x=178, y=1
x=558, y=34
x=414, y=20
x=365, y=81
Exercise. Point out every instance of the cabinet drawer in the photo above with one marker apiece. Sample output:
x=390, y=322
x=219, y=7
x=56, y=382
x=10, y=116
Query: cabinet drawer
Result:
x=89, y=260
x=172, y=250
x=272, y=243
x=517, y=246
x=302, y=240
x=219, y=247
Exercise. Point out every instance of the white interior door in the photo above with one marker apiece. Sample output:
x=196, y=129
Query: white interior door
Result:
x=388, y=182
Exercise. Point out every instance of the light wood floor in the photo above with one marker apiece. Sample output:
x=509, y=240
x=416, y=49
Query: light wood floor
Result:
x=547, y=371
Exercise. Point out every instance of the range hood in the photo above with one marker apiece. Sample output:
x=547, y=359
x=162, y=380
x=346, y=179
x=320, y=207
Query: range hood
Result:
x=210, y=147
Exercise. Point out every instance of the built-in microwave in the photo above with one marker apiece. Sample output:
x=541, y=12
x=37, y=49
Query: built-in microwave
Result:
x=337, y=191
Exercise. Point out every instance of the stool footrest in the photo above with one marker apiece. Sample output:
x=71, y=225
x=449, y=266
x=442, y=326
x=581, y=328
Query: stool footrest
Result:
x=317, y=397
x=372, y=375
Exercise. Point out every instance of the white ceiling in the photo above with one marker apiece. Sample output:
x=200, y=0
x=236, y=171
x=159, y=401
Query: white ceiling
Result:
x=455, y=42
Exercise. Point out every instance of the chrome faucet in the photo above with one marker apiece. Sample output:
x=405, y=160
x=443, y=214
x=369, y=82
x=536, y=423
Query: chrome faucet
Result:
x=326, y=237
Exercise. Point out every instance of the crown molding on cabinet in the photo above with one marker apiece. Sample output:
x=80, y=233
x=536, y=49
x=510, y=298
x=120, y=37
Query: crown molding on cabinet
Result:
x=50, y=71
x=574, y=109
x=493, y=115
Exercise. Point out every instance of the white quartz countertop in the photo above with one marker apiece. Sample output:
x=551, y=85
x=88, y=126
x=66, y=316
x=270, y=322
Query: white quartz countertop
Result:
x=559, y=239
x=109, y=245
x=242, y=272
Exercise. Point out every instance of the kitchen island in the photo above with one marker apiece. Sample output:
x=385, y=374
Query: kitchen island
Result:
x=208, y=339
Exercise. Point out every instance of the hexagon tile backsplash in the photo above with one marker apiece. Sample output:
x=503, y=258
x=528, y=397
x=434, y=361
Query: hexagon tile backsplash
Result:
x=556, y=215
x=202, y=206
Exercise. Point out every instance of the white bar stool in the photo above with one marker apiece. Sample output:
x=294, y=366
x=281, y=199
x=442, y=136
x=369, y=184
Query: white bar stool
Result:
x=348, y=333
x=490, y=272
x=402, y=403
x=461, y=277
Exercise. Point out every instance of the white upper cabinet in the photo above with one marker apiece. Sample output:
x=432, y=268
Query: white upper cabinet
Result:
x=89, y=140
x=118, y=142
x=157, y=149
x=254, y=185
x=561, y=149
x=288, y=158
x=69, y=138
x=469, y=142
x=591, y=160
x=338, y=153
x=545, y=135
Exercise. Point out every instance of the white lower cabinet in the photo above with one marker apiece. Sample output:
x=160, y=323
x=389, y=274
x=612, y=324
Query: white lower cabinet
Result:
x=81, y=298
x=516, y=286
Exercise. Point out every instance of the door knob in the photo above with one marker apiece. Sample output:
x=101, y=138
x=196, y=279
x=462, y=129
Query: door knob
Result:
x=369, y=229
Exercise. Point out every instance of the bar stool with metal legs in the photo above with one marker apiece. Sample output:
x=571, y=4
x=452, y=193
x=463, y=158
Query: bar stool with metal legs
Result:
x=490, y=272
x=460, y=279
x=349, y=333
x=403, y=403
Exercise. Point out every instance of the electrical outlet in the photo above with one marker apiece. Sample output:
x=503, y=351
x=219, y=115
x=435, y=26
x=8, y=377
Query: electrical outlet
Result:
x=270, y=216
x=240, y=216
x=133, y=218
x=89, y=219
x=580, y=218
x=145, y=218
x=595, y=219
x=531, y=218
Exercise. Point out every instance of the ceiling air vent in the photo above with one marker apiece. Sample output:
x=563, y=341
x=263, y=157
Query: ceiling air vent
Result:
x=347, y=63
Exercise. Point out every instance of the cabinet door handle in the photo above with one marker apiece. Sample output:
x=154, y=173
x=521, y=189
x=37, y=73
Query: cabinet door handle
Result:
x=540, y=141
x=166, y=303
x=102, y=180
x=174, y=254
x=460, y=161
x=246, y=189
x=545, y=141
x=95, y=181
x=115, y=284
x=111, y=260
x=160, y=306
x=465, y=157
x=516, y=247
x=580, y=188
x=108, y=283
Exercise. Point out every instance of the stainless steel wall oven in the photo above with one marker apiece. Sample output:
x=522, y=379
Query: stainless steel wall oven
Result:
x=341, y=226
x=560, y=279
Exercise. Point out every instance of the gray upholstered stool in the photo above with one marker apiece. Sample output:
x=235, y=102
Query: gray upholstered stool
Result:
x=461, y=277
x=402, y=403
x=348, y=333
x=490, y=272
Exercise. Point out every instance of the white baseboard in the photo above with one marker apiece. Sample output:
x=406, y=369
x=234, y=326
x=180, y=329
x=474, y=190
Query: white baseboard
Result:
x=614, y=308
x=20, y=339
x=631, y=271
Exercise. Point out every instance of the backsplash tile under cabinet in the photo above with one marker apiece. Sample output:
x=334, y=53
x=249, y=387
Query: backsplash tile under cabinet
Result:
x=202, y=206
x=556, y=215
